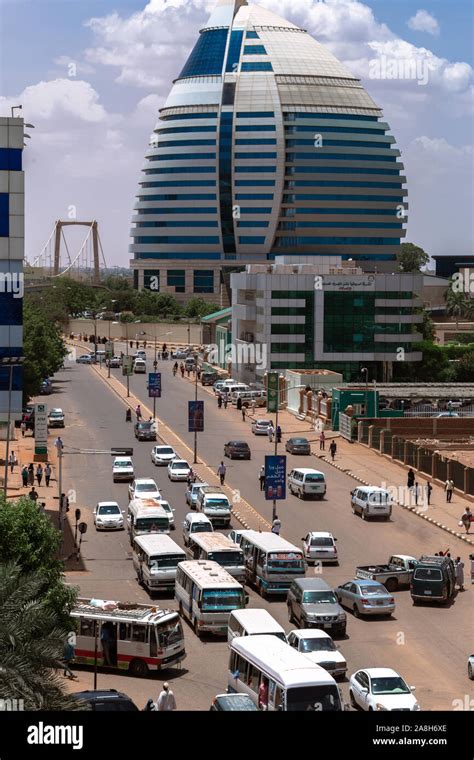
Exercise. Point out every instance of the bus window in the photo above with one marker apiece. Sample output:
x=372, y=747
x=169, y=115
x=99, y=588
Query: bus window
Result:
x=86, y=628
x=124, y=631
x=253, y=678
x=139, y=633
x=278, y=700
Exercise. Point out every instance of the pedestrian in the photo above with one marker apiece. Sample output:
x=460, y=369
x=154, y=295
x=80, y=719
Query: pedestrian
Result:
x=137, y=343
x=166, y=701
x=466, y=519
x=239, y=404
x=219, y=401
x=69, y=656
x=429, y=489
x=12, y=461
x=144, y=343
x=226, y=400
x=243, y=413
x=138, y=412
x=33, y=494
x=416, y=492
x=263, y=694
x=59, y=444
x=459, y=565
x=449, y=488
x=131, y=344
x=270, y=432
x=31, y=474
x=221, y=472
x=24, y=475
x=261, y=477
x=276, y=525
x=333, y=449
x=254, y=405
x=106, y=640
x=471, y=557
x=47, y=473
x=322, y=440
x=39, y=474
x=410, y=478
x=23, y=428
x=150, y=706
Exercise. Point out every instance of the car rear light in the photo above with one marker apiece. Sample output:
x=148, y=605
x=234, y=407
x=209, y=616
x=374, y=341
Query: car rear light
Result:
x=391, y=600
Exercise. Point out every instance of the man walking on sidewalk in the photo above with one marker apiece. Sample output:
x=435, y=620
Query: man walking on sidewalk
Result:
x=429, y=489
x=261, y=477
x=39, y=474
x=221, y=472
x=47, y=473
x=24, y=475
x=31, y=474
x=12, y=461
x=466, y=518
x=449, y=488
x=322, y=440
x=333, y=449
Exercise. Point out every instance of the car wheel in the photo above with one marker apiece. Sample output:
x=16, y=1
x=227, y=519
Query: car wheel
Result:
x=261, y=591
x=196, y=628
x=352, y=700
x=356, y=612
x=138, y=668
x=363, y=515
x=391, y=584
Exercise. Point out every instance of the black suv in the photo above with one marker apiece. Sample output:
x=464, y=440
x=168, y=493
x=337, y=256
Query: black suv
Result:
x=433, y=580
x=106, y=700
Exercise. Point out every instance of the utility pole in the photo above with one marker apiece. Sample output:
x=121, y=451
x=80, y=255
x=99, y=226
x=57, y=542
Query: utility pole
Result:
x=276, y=443
x=60, y=487
x=195, y=432
x=154, y=398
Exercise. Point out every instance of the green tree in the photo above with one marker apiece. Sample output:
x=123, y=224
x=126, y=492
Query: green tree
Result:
x=32, y=639
x=43, y=348
x=458, y=304
x=198, y=307
x=465, y=368
x=434, y=367
x=411, y=258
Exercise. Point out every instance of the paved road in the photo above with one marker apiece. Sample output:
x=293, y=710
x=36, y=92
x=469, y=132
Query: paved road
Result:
x=427, y=645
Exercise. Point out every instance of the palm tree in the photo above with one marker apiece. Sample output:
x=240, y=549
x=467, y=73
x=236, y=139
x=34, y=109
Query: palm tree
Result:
x=32, y=637
x=458, y=304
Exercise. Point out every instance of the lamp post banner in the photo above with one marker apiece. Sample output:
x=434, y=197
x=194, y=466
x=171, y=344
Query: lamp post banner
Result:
x=154, y=385
x=195, y=416
x=275, y=477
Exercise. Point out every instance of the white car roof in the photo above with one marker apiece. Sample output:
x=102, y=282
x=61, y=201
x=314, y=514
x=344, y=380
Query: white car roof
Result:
x=381, y=672
x=179, y=463
x=193, y=517
x=56, y=409
x=371, y=489
x=310, y=633
x=141, y=481
x=107, y=504
x=320, y=534
x=128, y=460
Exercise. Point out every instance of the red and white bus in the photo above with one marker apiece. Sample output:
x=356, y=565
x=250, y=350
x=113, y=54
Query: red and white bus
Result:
x=138, y=638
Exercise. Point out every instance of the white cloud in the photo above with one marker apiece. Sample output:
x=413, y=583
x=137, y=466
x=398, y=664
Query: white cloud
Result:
x=423, y=21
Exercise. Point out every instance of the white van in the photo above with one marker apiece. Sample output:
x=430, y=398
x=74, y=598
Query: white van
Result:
x=218, y=548
x=139, y=366
x=304, y=481
x=234, y=388
x=370, y=501
x=146, y=516
x=253, y=622
x=155, y=559
x=195, y=523
x=248, y=396
x=215, y=505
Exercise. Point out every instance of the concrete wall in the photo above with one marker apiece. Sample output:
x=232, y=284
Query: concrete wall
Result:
x=129, y=330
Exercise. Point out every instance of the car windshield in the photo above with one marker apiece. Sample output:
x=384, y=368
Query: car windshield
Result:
x=217, y=504
x=227, y=558
x=202, y=527
x=315, y=477
x=372, y=591
x=285, y=562
x=389, y=685
x=379, y=497
x=160, y=563
x=164, y=450
x=231, y=599
x=168, y=634
x=152, y=524
x=324, y=541
x=238, y=445
x=263, y=423
x=166, y=506
x=299, y=441
x=179, y=466
x=109, y=509
x=148, y=486
x=313, y=699
x=123, y=463
x=319, y=597
x=144, y=425
x=428, y=574
x=317, y=645
x=238, y=702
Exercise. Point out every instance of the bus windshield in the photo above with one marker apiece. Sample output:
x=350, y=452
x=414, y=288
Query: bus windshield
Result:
x=169, y=634
x=227, y=558
x=313, y=698
x=160, y=563
x=151, y=524
x=285, y=562
x=223, y=599
x=217, y=504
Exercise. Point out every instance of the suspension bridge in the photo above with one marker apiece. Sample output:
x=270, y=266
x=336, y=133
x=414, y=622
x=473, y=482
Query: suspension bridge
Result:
x=55, y=258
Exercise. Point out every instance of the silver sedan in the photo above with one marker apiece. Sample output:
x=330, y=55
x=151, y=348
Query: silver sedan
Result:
x=365, y=598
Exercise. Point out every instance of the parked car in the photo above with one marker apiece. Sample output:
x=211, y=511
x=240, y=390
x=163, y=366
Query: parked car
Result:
x=381, y=689
x=312, y=603
x=470, y=667
x=56, y=418
x=163, y=455
x=319, y=647
x=233, y=702
x=178, y=469
x=108, y=516
x=85, y=359
x=122, y=470
x=145, y=431
x=320, y=546
x=143, y=488
x=260, y=427
x=298, y=446
x=237, y=450
x=397, y=572
x=106, y=700
x=191, y=493
x=371, y=501
x=365, y=598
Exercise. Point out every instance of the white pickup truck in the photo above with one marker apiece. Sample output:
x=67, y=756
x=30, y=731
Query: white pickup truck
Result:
x=397, y=572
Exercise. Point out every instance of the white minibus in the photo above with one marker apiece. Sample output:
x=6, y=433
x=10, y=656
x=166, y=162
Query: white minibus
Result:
x=218, y=548
x=253, y=622
x=271, y=563
x=146, y=516
x=155, y=559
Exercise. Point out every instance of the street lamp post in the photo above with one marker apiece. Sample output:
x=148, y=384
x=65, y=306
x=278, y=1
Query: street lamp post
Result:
x=10, y=362
x=195, y=431
x=366, y=373
x=155, y=363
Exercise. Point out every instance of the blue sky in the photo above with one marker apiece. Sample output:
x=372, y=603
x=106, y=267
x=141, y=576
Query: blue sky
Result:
x=92, y=129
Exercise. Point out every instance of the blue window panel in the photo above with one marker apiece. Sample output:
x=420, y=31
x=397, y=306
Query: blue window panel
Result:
x=182, y=156
x=252, y=239
x=305, y=115
x=256, y=66
x=184, y=143
x=178, y=210
x=158, y=255
x=10, y=159
x=254, y=182
x=176, y=278
x=233, y=55
x=255, y=114
x=7, y=351
x=167, y=239
x=4, y=215
x=255, y=128
x=340, y=211
x=325, y=197
x=207, y=56
x=255, y=169
x=252, y=36
x=255, y=155
x=175, y=197
x=17, y=379
x=181, y=183
x=319, y=155
x=291, y=143
x=11, y=310
x=336, y=241
x=254, y=196
x=181, y=170
x=343, y=130
x=347, y=183
x=178, y=130
x=252, y=223
x=261, y=210
x=203, y=281
x=341, y=170
x=257, y=141
x=365, y=225
x=254, y=50
x=212, y=115
x=178, y=223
